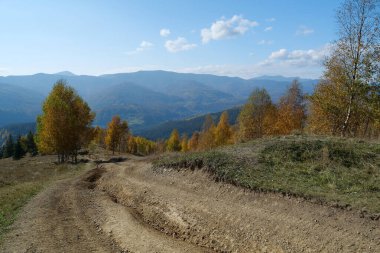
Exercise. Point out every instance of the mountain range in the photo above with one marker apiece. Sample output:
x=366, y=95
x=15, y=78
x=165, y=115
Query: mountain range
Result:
x=145, y=98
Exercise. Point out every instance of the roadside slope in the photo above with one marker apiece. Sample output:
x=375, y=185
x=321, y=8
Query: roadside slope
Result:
x=190, y=206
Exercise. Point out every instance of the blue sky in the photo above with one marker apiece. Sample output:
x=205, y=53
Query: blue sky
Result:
x=235, y=38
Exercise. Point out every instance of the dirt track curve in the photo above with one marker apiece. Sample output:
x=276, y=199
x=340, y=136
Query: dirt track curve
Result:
x=126, y=207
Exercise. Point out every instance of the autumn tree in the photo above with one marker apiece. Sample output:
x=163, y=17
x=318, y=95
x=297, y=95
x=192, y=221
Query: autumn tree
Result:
x=207, y=135
x=352, y=73
x=193, y=142
x=207, y=123
x=116, y=131
x=223, y=132
x=174, y=142
x=65, y=124
x=328, y=104
x=132, y=145
x=160, y=146
x=255, y=118
x=99, y=135
x=291, y=113
x=184, y=143
x=144, y=146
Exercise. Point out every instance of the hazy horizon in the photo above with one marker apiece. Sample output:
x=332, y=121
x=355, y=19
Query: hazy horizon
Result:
x=68, y=73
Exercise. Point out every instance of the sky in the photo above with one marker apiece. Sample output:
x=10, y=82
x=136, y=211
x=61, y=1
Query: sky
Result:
x=244, y=38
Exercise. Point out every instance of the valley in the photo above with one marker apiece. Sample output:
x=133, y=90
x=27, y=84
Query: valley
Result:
x=145, y=98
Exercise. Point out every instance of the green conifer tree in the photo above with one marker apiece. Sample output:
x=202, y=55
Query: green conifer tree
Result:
x=31, y=144
x=8, y=148
x=18, y=152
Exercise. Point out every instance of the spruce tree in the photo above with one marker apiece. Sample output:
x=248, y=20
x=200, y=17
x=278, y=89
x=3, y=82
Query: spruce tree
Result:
x=18, y=152
x=8, y=148
x=31, y=145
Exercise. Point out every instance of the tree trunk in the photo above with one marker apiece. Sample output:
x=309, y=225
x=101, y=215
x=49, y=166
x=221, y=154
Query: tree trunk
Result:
x=348, y=116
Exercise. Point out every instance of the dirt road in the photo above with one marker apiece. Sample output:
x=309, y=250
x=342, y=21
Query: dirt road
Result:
x=126, y=207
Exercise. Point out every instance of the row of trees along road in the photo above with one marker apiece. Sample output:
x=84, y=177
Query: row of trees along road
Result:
x=117, y=137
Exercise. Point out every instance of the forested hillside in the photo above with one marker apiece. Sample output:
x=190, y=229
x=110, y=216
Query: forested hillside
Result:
x=185, y=126
x=16, y=130
x=144, y=98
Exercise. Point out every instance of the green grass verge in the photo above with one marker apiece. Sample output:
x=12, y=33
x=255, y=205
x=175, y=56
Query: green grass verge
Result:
x=340, y=171
x=12, y=198
x=23, y=179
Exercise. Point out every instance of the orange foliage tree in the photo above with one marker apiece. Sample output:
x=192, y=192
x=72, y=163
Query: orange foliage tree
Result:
x=174, y=142
x=223, y=132
x=291, y=113
x=207, y=136
x=257, y=116
x=65, y=124
x=117, y=130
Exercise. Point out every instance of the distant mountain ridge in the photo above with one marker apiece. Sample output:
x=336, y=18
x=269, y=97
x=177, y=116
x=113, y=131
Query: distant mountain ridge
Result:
x=144, y=98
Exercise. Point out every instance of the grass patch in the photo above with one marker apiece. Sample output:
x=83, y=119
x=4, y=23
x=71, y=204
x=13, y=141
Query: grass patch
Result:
x=23, y=179
x=335, y=170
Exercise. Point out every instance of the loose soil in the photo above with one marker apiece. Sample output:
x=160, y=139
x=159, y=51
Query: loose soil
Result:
x=128, y=207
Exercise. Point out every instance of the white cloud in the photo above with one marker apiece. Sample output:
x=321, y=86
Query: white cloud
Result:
x=265, y=42
x=221, y=29
x=180, y=44
x=253, y=70
x=301, y=63
x=270, y=19
x=244, y=71
x=164, y=32
x=304, y=30
x=269, y=28
x=297, y=58
x=280, y=54
x=144, y=45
